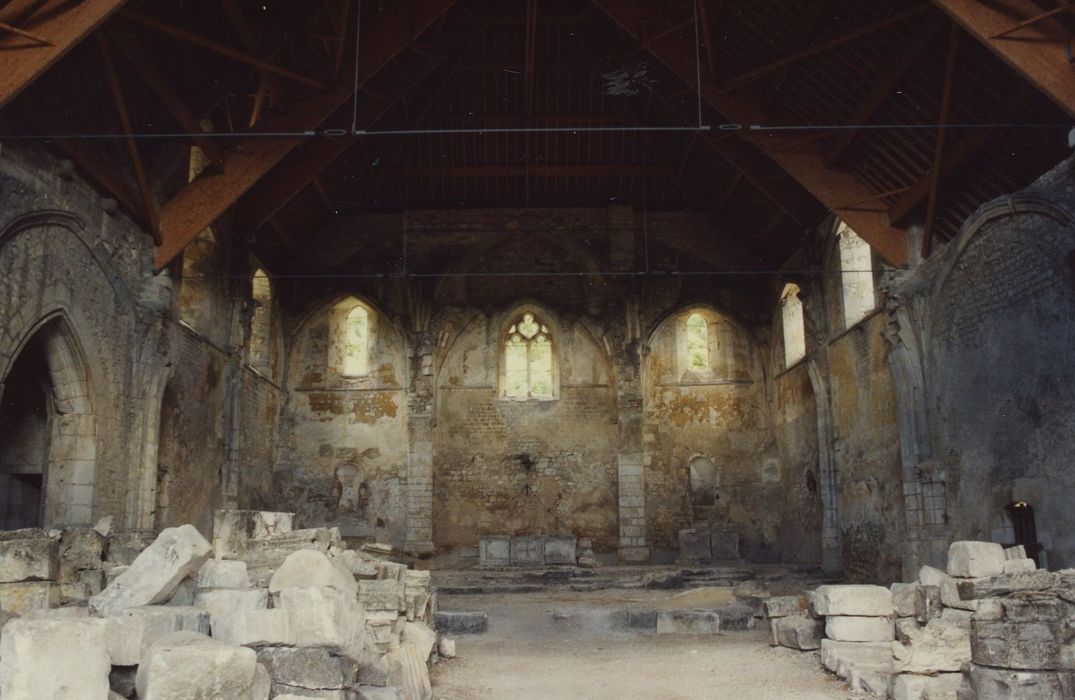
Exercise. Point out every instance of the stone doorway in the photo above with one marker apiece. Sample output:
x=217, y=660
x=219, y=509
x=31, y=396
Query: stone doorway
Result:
x=25, y=421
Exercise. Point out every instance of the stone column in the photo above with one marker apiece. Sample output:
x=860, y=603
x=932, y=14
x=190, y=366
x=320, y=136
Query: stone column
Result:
x=420, y=454
x=630, y=460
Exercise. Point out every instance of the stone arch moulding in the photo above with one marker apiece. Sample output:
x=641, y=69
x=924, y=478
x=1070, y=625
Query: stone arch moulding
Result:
x=549, y=326
x=831, y=556
x=72, y=450
x=670, y=316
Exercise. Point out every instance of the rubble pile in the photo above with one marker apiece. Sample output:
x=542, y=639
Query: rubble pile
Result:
x=263, y=611
x=989, y=627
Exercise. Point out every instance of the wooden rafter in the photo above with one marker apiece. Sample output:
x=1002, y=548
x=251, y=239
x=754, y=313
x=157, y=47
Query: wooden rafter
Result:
x=757, y=73
x=530, y=57
x=494, y=171
x=806, y=164
x=1038, y=51
x=881, y=89
x=149, y=206
x=295, y=174
x=708, y=14
x=5, y=27
x=938, y=146
x=211, y=194
x=222, y=49
x=267, y=83
x=802, y=41
x=61, y=22
x=144, y=65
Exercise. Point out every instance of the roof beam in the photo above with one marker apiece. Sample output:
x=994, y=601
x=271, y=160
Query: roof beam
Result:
x=938, y=146
x=492, y=171
x=200, y=203
x=882, y=88
x=1038, y=51
x=805, y=163
x=60, y=22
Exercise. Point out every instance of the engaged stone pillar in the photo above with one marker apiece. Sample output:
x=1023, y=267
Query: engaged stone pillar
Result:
x=420, y=459
x=632, y=509
x=631, y=457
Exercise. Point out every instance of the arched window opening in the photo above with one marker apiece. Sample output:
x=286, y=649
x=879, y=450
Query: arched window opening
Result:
x=259, y=354
x=25, y=421
x=697, y=342
x=791, y=311
x=356, y=343
x=703, y=481
x=856, y=275
x=528, y=371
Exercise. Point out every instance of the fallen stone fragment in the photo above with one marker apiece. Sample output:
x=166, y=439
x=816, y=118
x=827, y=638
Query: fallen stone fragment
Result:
x=227, y=610
x=856, y=628
x=372, y=668
x=423, y=638
x=968, y=559
x=382, y=595
x=370, y=692
x=938, y=647
x=132, y=631
x=838, y=657
x=854, y=599
x=457, y=622
x=784, y=605
x=29, y=560
x=1034, y=634
x=311, y=569
x=178, y=552
x=324, y=617
x=1004, y=584
x=407, y=670
x=799, y=632
x=223, y=573
x=233, y=529
x=943, y=686
x=688, y=622
x=984, y=683
x=262, y=687
x=80, y=549
x=307, y=669
x=736, y=617
x=446, y=648
x=191, y=666
x=927, y=603
x=903, y=597
x=262, y=628
x=21, y=598
x=64, y=659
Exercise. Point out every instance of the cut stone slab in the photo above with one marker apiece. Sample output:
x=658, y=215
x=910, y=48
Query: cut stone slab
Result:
x=494, y=550
x=1004, y=584
x=304, y=669
x=21, y=598
x=969, y=559
x=223, y=573
x=736, y=617
x=191, y=666
x=1034, y=634
x=56, y=659
x=457, y=622
x=785, y=605
x=798, y=632
x=372, y=692
x=382, y=595
x=29, y=560
x=307, y=568
x=407, y=670
x=1016, y=552
x=423, y=638
x=903, y=597
x=446, y=648
x=985, y=683
x=688, y=622
x=838, y=656
x=178, y=552
x=527, y=551
x=133, y=630
x=81, y=549
x=233, y=529
x=1014, y=566
x=853, y=599
x=855, y=628
x=559, y=550
x=324, y=617
x=227, y=609
x=943, y=686
x=939, y=647
x=262, y=628
x=930, y=576
x=262, y=686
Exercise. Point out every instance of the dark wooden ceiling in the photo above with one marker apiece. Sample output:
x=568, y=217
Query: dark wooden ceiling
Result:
x=858, y=86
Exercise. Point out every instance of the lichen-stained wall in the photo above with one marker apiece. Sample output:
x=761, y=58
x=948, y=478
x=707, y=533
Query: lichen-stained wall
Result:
x=343, y=440
x=507, y=466
x=716, y=412
x=1000, y=338
x=866, y=446
x=795, y=429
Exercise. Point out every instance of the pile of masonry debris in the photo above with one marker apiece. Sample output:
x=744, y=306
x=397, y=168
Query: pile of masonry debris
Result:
x=991, y=627
x=264, y=611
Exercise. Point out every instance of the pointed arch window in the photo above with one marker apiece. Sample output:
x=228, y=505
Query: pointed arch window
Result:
x=356, y=343
x=856, y=275
x=260, y=349
x=528, y=360
x=791, y=311
x=697, y=342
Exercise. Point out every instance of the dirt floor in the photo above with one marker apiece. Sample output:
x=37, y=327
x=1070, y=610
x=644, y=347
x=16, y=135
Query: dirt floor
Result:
x=564, y=645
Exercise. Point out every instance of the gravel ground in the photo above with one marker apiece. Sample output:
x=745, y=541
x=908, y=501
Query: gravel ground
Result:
x=567, y=646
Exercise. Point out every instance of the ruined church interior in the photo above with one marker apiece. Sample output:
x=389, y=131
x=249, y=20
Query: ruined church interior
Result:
x=537, y=349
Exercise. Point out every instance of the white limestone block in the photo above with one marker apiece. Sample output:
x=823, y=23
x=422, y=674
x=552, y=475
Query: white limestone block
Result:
x=903, y=597
x=941, y=646
x=968, y=559
x=188, y=666
x=29, y=560
x=408, y=671
x=21, y=598
x=909, y=686
x=688, y=622
x=1016, y=552
x=855, y=628
x=446, y=648
x=419, y=634
x=65, y=659
x=1016, y=566
x=798, y=632
x=308, y=568
x=262, y=686
x=929, y=576
x=324, y=617
x=854, y=599
x=178, y=552
x=227, y=608
x=223, y=573
x=262, y=628
x=838, y=656
x=131, y=631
